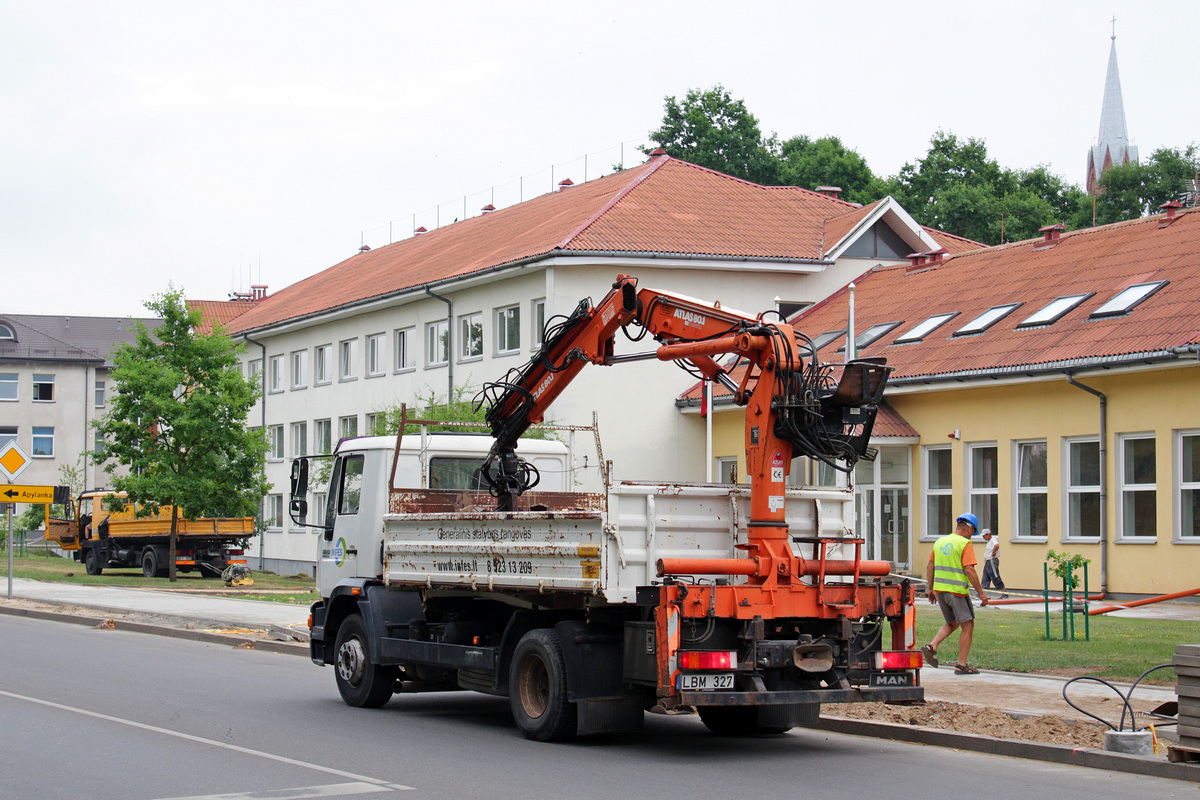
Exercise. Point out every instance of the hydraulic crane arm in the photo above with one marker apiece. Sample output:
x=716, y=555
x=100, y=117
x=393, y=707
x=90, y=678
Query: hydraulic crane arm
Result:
x=793, y=404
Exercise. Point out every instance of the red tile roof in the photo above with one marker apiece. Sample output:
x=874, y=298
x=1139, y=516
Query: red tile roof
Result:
x=665, y=206
x=221, y=312
x=1100, y=260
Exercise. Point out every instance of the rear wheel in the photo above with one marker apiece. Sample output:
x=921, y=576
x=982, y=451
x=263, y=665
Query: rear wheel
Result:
x=91, y=564
x=537, y=686
x=361, y=683
x=149, y=563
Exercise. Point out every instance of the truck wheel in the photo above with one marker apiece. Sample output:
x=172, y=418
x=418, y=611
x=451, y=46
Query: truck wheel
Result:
x=91, y=564
x=149, y=563
x=537, y=685
x=361, y=683
x=737, y=721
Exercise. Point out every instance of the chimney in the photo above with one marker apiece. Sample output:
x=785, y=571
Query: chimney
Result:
x=1170, y=207
x=1052, y=232
x=936, y=256
x=258, y=292
x=564, y=184
x=489, y=208
x=829, y=191
x=657, y=152
x=915, y=259
x=365, y=248
x=420, y=231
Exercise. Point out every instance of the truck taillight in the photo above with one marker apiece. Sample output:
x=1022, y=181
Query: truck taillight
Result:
x=236, y=551
x=898, y=659
x=708, y=659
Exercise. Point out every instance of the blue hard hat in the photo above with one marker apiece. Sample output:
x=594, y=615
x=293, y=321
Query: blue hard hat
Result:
x=970, y=518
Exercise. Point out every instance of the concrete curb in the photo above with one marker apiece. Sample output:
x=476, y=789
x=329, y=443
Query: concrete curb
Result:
x=267, y=645
x=1014, y=748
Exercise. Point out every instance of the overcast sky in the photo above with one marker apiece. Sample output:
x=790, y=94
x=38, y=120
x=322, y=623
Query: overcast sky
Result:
x=215, y=144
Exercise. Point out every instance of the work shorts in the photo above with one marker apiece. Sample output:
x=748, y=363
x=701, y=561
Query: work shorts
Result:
x=955, y=607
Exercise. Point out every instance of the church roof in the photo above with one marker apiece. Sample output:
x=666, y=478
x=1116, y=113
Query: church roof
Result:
x=1112, y=144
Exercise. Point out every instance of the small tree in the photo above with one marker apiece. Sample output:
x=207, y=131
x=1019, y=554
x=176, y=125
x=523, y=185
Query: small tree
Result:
x=177, y=422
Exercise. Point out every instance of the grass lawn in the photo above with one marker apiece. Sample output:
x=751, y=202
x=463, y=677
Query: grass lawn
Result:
x=1120, y=648
x=40, y=566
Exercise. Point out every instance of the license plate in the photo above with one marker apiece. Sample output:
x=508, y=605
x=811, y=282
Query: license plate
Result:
x=883, y=679
x=706, y=682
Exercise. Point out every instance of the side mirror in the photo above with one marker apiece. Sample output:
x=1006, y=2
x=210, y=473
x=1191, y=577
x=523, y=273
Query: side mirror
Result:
x=299, y=508
x=299, y=481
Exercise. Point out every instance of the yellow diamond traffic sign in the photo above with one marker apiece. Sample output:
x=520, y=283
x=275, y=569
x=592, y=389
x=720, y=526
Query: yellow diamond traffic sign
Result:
x=13, y=460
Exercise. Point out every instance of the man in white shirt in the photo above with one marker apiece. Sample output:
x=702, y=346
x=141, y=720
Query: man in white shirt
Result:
x=991, y=562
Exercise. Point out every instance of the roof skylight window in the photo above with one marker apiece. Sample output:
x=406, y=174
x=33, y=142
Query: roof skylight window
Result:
x=872, y=334
x=826, y=338
x=1055, y=310
x=925, y=328
x=987, y=319
x=1127, y=298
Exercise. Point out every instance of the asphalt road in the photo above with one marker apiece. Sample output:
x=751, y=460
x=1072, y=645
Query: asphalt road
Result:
x=87, y=713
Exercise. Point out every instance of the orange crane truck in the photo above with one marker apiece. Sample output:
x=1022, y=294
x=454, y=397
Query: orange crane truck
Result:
x=750, y=606
x=101, y=538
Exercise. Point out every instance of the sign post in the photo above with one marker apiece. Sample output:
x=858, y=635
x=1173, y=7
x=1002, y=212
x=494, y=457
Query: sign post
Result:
x=13, y=462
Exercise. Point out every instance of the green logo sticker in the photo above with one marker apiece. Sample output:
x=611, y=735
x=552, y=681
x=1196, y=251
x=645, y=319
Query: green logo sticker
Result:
x=339, y=551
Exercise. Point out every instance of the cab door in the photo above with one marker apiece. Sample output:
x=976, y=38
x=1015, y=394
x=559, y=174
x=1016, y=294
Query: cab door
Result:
x=345, y=524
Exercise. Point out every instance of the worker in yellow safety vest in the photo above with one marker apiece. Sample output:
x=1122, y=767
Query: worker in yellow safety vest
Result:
x=949, y=578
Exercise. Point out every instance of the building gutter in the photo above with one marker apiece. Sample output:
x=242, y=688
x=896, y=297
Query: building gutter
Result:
x=262, y=406
x=1052, y=368
x=1103, y=478
x=449, y=344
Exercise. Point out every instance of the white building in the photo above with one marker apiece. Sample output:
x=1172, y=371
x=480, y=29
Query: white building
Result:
x=457, y=307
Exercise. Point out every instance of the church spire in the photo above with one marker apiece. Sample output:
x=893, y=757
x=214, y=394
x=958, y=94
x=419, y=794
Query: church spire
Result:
x=1112, y=145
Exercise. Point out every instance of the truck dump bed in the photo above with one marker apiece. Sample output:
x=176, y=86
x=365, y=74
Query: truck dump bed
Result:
x=124, y=524
x=602, y=545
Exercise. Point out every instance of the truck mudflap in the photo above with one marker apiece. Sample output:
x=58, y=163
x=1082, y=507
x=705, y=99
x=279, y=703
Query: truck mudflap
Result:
x=894, y=694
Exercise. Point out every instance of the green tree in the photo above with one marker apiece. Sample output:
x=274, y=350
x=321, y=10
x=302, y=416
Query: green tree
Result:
x=177, y=421
x=1129, y=191
x=712, y=129
x=71, y=475
x=826, y=162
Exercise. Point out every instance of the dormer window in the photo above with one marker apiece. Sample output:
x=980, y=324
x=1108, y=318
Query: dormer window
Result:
x=1127, y=298
x=1055, y=310
x=7, y=334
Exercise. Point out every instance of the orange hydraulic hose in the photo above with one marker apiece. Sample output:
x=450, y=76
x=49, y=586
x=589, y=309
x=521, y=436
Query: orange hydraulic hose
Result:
x=1014, y=600
x=749, y=566
x=1144, y=602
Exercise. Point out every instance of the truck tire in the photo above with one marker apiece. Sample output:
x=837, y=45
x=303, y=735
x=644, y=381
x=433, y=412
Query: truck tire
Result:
x=757, y=720
x=91, y=563
x=149, y=563
x=537, y=686
x=360, y=683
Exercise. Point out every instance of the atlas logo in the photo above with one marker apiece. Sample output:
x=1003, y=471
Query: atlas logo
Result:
x=538, y=392
x=690, y=317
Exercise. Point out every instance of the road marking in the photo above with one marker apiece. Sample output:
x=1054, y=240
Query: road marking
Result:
x=384, y=785
x=332, y=790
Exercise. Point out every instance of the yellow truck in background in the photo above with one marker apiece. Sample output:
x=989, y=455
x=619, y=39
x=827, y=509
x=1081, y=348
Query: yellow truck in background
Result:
x=101, y=538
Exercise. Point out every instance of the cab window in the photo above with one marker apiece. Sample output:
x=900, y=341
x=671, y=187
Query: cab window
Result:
x=350, y=485
x=460, y=474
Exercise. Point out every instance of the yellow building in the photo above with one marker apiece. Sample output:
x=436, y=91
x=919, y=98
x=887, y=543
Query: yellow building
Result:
x=1048, y=386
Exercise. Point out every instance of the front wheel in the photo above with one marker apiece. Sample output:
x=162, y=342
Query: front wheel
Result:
x=537, y=686
x=361, y=683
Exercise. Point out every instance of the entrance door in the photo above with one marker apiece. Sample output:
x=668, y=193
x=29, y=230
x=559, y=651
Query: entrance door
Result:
x=882, y=493
x=893, y=527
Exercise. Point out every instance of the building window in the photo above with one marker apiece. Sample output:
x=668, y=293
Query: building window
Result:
x=923, y=329
x=539, y=324
x=1083, y=488
x=1139, y=492
x=1189, y=485
x=275, y=374
x=348, y=427
x=43, y=388
x=6, y=333
x=321, y=365
x=346, y=352
x=983, y=486
x=437, y=344
x=1031, y=490
x=274, y=511
x=254, y=369
x=319, y=507
x=939, y=492
x=406, y=356
x=276, y=442
x=322, y=436
x=299, y=369
x=8, y=386
x=99, y=394
x=508, y=329
x=43, y=442
x=375, y=354
x=97, y=445
x=299, y=439
x=372, y=423
x=8, y=435
x=470, y=336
